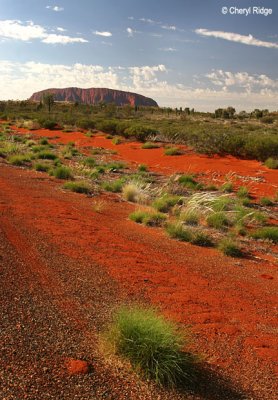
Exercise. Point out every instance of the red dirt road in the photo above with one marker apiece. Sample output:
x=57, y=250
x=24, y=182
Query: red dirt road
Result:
x=77, y=263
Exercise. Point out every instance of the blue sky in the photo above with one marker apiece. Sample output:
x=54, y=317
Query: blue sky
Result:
x=180, y=52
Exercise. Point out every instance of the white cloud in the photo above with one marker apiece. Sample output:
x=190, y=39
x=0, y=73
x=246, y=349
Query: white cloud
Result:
x=130, y=18
x=103, y=33
x=61, y=39
x=241, y=81
x=131, y=32
x=55, y=8
x=169, y=27
x=61, y=29
x=170, y=49
x=20, y=80
x=235, y=37
x=17, y=30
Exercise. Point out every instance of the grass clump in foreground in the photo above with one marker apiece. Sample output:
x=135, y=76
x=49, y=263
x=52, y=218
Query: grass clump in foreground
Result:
x=78, y=187
x=152, y=344
x=19, y=159
x=271, y=163
x=149, y=145
x=177, y=231
x=218, y=220
x=270, y=233
x=166, y=202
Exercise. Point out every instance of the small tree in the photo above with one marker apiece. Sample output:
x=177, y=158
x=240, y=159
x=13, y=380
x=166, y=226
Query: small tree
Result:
x=48, y=100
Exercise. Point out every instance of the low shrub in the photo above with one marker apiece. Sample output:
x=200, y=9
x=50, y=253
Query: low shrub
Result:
x=78, y=187
x=62, y=173
x=152, y=344
x=166, y=202
x=138, y=216
x=270, y=233
x=172, y=151
x=19, y=159
x=143, y=168
x=227, y=187
x=242, y=192
x=271, y=163
x=202, y=239
x=86, y=123
x=140, y=132
x=49, y=124
x=190, y=217
x=44, y=142
x=222, y=203
x=177, y=231
x=90, y=162
x=116, y=141
x=132, y=192
x=188, y=181
x=46, y=155
x=266, y=201
x=41, y=167
x=114, y=186
x=230, y=248
x=218, y=220
x=154, y=219
x=149, y=145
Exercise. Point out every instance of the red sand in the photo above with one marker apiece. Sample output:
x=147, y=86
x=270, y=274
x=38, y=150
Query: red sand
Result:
x=215, y=169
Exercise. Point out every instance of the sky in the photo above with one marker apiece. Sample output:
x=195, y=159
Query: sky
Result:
x=202, y=54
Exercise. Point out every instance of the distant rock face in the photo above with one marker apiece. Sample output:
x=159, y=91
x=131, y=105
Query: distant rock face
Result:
x=97, y=95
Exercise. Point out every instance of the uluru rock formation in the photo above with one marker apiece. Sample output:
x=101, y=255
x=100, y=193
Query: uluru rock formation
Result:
x=96, y=95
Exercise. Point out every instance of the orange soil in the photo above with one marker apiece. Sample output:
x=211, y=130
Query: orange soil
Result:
x=229, y=303
x=215, y=169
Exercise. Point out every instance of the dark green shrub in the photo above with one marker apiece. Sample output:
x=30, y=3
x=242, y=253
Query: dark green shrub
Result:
x=201, y=239
x=86, y=124
x=90, y=162
x=152, y=344
x=140, y=132
x=143, y=168
x=48, y=124
x=188, y=181
x=266, y=201
x=44, y=142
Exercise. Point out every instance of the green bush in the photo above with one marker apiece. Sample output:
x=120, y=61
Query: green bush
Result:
x=138, y=216
x=44, y=142
x=78, y=187
x=266, y=201
x=172, y=151
x=177, y=231
x=152, y=344
x=19, y=159
x=202, y=239
x=166, y=202
x=149, y=145
x=62, y=173
x=147, y=218
x=242, y=192
x=227, y=187
x=140, y=132
x=90, y=162
x=271, y=163
x=46, y=155
x=270, y=233
x=230, y=248
x=143, y=168
x=190, y=218
x=218, y=220
x=48, y=124
x=188, y=181
x=41, y=167
x=115, y=186
x=86, y=123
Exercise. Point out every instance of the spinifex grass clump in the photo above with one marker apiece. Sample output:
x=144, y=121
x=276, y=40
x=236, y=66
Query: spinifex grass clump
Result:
x=62, y=172
x=152, y=344
x=271, y=163
x=172, y=151
x=148, y=218
x=150, y=145
x=218, y=220
x=166, y=202
x=78, y=187
x=188, y=181
x=230, y=248
x=176, y=231
x=19, y=159
x=270, y=233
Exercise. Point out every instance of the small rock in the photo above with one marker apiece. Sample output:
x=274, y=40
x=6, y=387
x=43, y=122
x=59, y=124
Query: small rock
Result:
x=77, y=367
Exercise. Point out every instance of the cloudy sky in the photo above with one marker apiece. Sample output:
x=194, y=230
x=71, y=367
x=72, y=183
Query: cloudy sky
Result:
x=181, y=52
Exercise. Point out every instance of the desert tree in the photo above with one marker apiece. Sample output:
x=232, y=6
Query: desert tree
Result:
x=48, y=100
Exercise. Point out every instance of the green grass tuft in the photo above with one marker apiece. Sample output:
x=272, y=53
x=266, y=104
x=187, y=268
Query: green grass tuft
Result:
x=270, y=233
x=78, y=187
x=152, y=344
x=177, y=231
x=271, y=163
x=218, y=220
x=62, y=173
x=166, y=202
x=230, y=248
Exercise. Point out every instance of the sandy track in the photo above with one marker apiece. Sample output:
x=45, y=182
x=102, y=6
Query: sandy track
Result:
x=64, y=266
